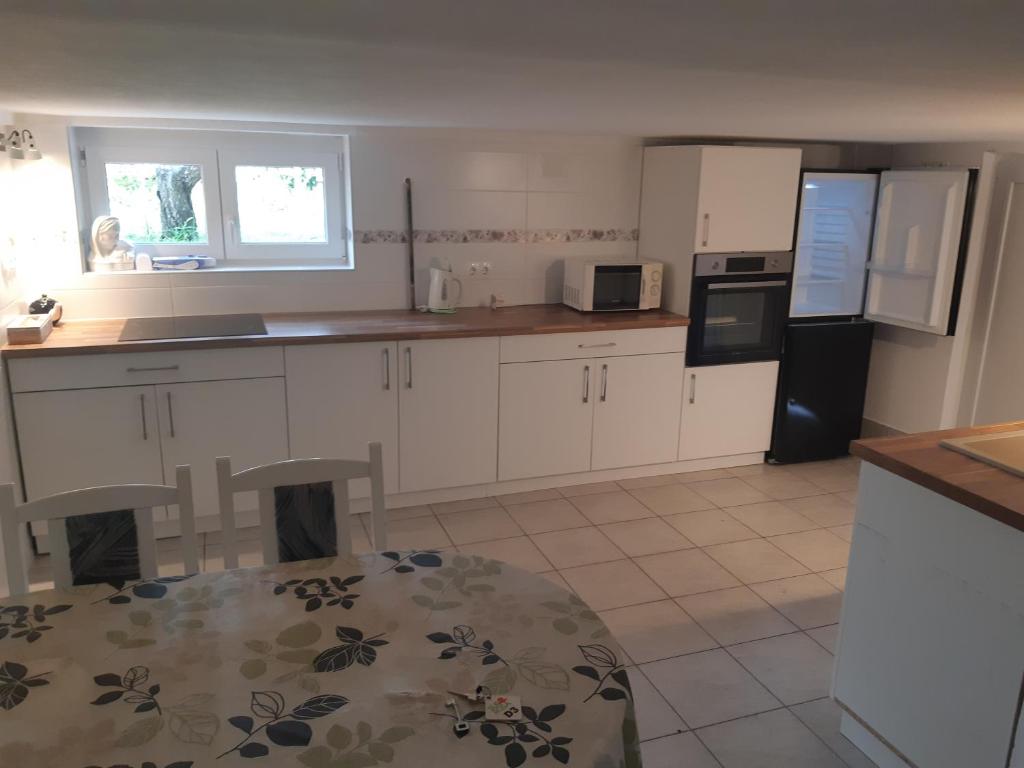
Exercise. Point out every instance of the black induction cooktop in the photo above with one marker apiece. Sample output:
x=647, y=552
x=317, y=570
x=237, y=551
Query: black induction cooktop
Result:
x=191, y=327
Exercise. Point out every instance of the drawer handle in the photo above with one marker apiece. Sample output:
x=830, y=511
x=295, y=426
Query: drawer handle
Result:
x=693, y=388
x=586, y=383
x=604, y=383
x=597, y=346
x=386, y=355
x=154, y=368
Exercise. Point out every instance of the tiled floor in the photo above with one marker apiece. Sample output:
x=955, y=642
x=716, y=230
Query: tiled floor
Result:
x=723, y=586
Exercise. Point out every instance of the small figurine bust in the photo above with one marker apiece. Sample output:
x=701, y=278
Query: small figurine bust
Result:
x=109, y=253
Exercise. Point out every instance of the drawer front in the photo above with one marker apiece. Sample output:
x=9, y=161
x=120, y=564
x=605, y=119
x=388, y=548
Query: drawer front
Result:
x=130, y=368
x=568, y=346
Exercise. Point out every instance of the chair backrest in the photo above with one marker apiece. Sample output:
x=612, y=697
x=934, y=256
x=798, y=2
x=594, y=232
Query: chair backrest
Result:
x=106, y=500
x=267, y=479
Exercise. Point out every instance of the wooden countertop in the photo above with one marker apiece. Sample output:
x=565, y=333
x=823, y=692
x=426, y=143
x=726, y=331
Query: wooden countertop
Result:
x=100, y=336
x=975, y=484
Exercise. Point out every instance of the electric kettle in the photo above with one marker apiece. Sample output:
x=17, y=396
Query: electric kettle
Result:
x=445, y=291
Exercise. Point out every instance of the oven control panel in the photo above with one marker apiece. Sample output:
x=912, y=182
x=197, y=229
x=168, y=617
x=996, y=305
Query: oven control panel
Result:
x=768, y=263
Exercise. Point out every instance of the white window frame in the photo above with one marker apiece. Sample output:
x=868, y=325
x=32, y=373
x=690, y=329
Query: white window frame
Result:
x=97, y=159
x=235, y=249
x=218, y=152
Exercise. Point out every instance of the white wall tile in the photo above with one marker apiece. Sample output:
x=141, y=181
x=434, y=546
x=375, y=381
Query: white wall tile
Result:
x=123, y=302
x=439, y=208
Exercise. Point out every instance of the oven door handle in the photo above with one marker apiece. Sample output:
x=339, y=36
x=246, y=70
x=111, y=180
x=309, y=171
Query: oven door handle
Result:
x=751, y=284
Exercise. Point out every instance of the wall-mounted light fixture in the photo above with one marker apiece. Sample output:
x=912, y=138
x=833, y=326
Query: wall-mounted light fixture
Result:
x=19, y=145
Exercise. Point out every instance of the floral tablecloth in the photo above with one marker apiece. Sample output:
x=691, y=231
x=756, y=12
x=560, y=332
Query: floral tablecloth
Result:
x=334, y=663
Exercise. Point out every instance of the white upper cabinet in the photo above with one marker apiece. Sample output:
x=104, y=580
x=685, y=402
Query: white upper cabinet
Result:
x=919, y=221
x=728, y=410
x=636, y=410
x=746, y=199
x=448, y=413
x=342, y=397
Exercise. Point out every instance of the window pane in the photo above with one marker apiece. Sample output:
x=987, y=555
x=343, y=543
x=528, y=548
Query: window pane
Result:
x=281, y=204
x=158, y=203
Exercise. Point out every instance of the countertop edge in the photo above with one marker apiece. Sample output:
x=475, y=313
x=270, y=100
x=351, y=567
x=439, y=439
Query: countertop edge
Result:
x=874, y=451
x=281, y=336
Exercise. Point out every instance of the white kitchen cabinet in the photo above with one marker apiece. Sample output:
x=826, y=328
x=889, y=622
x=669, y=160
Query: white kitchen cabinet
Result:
x=918, y=224
x=342, y=397
x=727, y=409
x=545, y=417
x=199, y=421
x=83, y=438
x=448, y=413
x=746, y=200
x=712, y=199
x=636, y=410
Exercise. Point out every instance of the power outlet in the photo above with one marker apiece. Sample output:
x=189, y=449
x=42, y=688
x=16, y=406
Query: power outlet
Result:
x=480, y=269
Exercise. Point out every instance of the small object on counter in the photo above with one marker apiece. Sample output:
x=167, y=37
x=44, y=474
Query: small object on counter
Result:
x=444, y=292
x=29, y=329
x=183, y=263
x=143, y=262
x=47, y=305
x=497, y=300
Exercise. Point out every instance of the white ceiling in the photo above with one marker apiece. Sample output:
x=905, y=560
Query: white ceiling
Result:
x=898, y=70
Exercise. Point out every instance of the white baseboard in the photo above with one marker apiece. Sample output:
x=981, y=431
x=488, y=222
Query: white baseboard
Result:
x=209, y=520
x=870, y=744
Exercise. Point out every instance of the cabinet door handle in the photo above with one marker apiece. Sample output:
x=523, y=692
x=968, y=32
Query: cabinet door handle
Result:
x=408, y=368
x=693, y=388
x=142, y=408
x=170, y=413
x=604, y=383
x=387, y=368
x=707, y=228
x=155, y=368
x=586, y=383
x=596, y=346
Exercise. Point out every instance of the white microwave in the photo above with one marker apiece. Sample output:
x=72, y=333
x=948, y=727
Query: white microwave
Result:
x=609, y=286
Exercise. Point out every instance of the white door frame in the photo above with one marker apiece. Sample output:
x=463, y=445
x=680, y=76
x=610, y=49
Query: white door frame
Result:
x=1009, y=172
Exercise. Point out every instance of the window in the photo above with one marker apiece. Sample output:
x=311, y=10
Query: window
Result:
x=246, y=199
x=158, y=203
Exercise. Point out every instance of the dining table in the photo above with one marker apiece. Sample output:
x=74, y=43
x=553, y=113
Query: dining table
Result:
x=396, y=658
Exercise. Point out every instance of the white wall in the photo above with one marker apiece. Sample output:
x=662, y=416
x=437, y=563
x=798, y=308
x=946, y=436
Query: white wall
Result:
x=10, y=305
x=539, y=187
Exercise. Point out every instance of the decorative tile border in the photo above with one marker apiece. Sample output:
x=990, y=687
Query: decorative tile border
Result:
x=453, y=236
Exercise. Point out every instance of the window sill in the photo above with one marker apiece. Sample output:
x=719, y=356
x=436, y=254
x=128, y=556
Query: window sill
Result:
x=241, y=268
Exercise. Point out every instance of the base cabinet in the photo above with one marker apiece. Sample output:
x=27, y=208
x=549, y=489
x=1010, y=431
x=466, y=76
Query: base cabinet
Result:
x=447, y=413
x=72, y=439
x=199, y=421
x=636, y=413
x=727, y=409
x=545, y=418
x=341, y=397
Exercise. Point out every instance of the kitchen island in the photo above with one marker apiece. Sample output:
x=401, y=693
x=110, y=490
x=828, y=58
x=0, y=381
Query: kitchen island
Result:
x=931, y=648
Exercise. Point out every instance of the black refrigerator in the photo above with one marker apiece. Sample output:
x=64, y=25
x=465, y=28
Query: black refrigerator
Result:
x=823, y=378
x=826, y=351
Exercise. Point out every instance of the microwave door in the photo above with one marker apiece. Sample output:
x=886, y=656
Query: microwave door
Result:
x=617, y=287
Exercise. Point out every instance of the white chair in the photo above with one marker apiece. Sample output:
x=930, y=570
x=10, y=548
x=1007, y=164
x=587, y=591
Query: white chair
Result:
x=56, y=509
x=300, y=472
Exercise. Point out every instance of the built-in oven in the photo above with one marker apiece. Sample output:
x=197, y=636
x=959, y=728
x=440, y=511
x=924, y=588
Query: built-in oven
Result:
x=739, y=303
